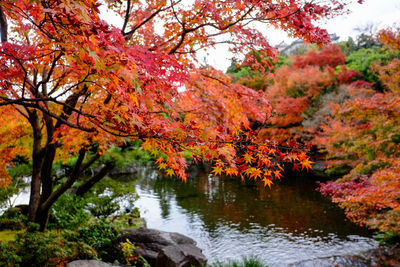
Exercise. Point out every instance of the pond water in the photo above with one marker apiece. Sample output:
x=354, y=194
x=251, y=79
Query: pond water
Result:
x=231, y=219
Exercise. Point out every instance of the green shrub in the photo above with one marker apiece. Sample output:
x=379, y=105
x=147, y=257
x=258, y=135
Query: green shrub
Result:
x=103, y=206
x=68, y=212
x=12, y=219
x=387, y=238
x=49, y=249
x=9, y=255
x=102, y=236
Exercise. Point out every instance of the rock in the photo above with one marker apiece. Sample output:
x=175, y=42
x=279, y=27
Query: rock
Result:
x=319, y=169
x=164, y=249
x=88, y=263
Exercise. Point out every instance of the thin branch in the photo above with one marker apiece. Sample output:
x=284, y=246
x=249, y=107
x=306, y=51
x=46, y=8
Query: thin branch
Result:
x=127, y=14
x=53, y=65
x=129, y=34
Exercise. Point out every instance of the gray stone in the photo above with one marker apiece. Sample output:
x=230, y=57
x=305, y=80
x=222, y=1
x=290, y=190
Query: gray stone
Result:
x=170, y=256
x=167, y=249
x=319, y=169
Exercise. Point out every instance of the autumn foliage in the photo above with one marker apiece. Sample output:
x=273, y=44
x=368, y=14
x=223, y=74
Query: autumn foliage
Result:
x=365, y=134
x=353, y=124
x=82, y=85
x=295, y=91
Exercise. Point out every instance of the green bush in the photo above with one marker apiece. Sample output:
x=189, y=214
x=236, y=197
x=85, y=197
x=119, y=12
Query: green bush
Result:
x=49, y=249
x=12, y=219
x=102, y=236
x=68, y=212
x=103, y=206
x=387, y=238
x=9, y=255
x=362, y=59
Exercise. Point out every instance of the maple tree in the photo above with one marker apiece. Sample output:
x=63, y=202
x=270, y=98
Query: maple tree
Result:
x=82, y=85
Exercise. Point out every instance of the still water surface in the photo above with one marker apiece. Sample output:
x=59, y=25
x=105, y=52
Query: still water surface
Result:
x=231, y=219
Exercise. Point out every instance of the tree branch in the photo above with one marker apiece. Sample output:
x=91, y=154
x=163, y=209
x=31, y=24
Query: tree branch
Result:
x=65, y=186
x=92, y=181
x=127, y=14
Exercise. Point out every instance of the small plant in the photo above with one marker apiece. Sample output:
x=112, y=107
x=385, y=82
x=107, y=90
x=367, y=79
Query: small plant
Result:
x=102, y=236
x=130, y=256
x=245, y=262
x=387, y=238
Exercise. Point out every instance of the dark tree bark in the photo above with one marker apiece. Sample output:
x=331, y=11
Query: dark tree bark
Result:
x=3, y=26
x=37, y=161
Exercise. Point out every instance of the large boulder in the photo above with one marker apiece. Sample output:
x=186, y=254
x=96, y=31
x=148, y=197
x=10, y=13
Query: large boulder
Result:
x=165, y=249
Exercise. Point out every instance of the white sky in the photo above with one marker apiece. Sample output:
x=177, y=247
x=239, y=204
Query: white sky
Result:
x=382, y=13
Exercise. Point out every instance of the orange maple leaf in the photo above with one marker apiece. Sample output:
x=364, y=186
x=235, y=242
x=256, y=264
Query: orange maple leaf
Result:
x=159, y=160
x=306, y=164
x=278, y=174
x=267, y=182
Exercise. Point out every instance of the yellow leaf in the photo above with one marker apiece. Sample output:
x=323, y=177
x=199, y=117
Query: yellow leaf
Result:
x=255, y=173
x=162, y=166
x=248, y=158
x=170, y=172
x=217, y=170
x=277, y=174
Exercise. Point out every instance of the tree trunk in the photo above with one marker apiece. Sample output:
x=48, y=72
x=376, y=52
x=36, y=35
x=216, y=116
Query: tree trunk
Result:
x=37, y=161
x=3, y=26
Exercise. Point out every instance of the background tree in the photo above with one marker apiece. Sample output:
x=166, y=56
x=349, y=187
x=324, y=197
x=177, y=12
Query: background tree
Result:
x=365, y=134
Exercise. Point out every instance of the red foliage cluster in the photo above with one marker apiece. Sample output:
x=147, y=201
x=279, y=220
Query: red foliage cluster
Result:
x=295, y=88
x=370, y=200
x=329, y=56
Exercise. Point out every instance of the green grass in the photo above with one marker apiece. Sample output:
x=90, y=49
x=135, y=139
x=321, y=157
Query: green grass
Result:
x=245, y=262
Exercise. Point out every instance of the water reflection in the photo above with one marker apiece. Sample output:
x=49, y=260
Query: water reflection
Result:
x=229, y=218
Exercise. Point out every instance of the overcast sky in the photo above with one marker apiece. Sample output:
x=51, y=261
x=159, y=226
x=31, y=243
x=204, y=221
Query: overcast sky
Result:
x=382, y=13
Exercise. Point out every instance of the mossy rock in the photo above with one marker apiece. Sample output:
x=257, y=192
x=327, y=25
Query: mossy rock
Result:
x=339, y=170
